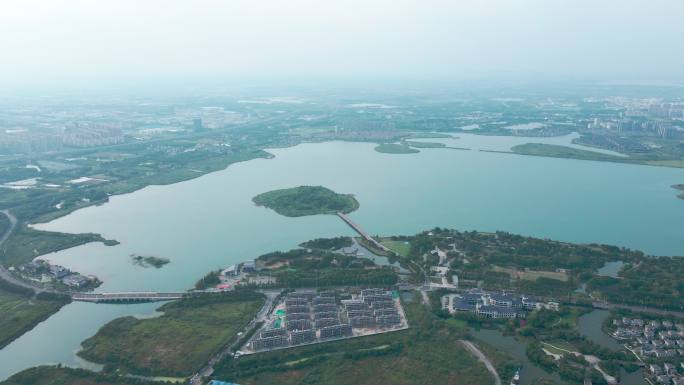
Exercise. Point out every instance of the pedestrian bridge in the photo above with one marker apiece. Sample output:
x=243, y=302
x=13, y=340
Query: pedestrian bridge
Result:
x=142, y=296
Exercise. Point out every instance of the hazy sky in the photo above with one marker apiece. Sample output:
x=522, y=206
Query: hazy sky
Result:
x=82, y=41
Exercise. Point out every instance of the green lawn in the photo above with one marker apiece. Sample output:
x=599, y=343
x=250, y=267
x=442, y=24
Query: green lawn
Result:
x=20, y=313
x=177, y=343
x=402, y=248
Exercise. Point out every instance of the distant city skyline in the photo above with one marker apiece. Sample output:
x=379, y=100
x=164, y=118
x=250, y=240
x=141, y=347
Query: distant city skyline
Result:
x=82, y=43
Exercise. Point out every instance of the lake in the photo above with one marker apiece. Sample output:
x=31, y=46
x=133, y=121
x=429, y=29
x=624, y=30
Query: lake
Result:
x=211, y=222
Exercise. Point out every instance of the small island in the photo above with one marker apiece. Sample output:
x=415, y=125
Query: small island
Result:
x=306, y=200
x=679, y=187
x=149, y=261
x=424, y=144
x=395, y=148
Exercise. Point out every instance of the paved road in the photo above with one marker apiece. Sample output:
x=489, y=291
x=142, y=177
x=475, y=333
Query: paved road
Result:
x=208, y=369
x=592, y=360
x=5, y=274
x=480, y=356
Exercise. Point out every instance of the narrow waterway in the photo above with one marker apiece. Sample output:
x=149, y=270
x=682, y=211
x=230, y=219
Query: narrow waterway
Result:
x=590, y=326
x=529, y=372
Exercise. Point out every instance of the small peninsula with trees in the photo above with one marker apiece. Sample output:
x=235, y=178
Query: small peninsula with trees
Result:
x=306, y=200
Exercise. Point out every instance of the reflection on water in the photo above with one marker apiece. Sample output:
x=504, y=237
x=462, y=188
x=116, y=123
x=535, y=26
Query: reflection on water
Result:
x=590, y=325
x=58, y=339
x=211, y=222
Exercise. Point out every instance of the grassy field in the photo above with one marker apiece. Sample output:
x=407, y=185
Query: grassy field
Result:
x=402, y=248
x=531, y=275
x=306, y=200
x=394, y=148
x=19, y=312
x=52, y=375
x=556, y=151
x=428, y=352
x=177, y=343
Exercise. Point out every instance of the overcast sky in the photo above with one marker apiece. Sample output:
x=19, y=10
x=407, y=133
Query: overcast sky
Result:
x=55, y=41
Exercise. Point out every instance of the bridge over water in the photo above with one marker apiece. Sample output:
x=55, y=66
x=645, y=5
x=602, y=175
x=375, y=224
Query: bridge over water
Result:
x=362, y=233
x=151, y=296
x=141, y=296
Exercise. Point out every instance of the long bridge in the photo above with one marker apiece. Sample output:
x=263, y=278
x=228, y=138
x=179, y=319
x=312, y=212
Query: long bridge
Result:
x=362, y=233
x=140, y=296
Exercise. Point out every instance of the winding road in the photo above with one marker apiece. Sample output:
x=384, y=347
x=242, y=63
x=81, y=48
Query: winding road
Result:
x=480, y=356
x=5, y=274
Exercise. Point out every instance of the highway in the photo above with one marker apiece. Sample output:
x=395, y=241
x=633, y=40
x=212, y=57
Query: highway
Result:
x=143, y=296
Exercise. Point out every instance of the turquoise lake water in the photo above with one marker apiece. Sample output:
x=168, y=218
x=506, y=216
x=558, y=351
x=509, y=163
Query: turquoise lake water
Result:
x=211, y=222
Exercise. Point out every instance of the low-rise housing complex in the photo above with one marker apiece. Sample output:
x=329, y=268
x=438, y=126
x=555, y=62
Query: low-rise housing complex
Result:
x=659, y=342
x=494, y=305
x=306, y=317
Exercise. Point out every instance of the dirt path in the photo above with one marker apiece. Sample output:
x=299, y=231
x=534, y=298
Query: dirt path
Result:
x=480, y=356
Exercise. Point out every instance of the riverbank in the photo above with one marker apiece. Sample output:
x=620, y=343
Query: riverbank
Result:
x=50, y=375
x=556, y=151
x=177, y=343
x=21, y=310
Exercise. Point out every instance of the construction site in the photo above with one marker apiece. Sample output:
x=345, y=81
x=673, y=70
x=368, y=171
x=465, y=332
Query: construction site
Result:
x=309, y=317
